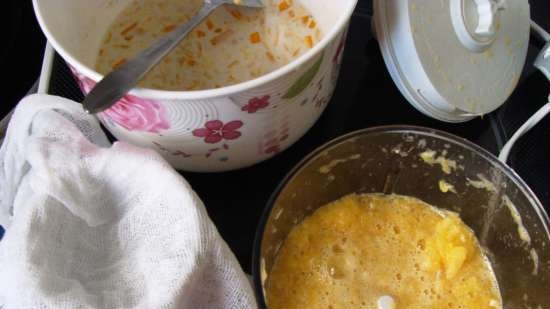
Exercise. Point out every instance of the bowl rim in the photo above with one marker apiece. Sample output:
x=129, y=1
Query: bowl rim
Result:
x=485, y=154
x=337, y=28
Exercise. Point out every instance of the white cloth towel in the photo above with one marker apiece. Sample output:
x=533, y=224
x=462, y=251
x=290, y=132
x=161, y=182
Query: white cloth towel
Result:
x=90, y=225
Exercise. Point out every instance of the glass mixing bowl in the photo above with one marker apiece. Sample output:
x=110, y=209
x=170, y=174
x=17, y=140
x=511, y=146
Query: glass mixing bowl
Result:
x=506, y=216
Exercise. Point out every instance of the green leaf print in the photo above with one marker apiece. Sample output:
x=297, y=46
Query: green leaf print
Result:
x=304, y=81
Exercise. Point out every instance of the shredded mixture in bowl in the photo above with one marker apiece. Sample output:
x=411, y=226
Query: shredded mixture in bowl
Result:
x=233, y=45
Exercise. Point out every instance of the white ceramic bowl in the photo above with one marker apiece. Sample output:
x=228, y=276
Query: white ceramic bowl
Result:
x=208, y=130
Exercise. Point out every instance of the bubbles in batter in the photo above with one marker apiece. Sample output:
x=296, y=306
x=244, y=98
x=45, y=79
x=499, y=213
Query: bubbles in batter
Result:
x=368, y=251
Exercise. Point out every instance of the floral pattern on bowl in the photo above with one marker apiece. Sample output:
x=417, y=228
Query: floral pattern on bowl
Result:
x=218, y=134
x=137, y=114
x=215, y=131
x=131, y=112
x=257, y=103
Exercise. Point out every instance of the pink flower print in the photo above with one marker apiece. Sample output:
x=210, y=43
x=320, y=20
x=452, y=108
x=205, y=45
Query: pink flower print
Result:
x=215, y=131
x=162, y=148
x=85, y=84
x=131, y=112
x=275, y=149
x=181, y=153
x=272, y=146
x=256, y=104
x=340, y=47
x=210, y=152
x=137, y=114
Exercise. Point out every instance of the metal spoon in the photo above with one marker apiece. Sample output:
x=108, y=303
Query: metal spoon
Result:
x=117, y=83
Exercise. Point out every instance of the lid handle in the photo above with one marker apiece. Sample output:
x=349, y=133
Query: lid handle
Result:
x=475, y=22
x=487, y=11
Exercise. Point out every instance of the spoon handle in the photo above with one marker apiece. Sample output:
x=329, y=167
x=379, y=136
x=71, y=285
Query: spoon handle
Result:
x=121, y=80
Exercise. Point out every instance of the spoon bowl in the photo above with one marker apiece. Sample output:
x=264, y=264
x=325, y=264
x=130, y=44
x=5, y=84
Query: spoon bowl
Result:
x=120, y=81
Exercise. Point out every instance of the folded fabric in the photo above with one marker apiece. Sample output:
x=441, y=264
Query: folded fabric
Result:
x=94, y=225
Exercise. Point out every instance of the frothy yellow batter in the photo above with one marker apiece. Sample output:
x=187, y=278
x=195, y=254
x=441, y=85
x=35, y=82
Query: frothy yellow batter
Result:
x=361, y=248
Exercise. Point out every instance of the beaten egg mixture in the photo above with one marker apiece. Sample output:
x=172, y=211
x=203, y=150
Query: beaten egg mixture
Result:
x=379, y=251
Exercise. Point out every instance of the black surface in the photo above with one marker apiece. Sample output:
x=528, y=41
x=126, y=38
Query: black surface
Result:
x=21, y=52
x=531, y=155
x=365, y=97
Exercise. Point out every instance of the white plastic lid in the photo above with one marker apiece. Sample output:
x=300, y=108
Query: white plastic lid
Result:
x=454, y=59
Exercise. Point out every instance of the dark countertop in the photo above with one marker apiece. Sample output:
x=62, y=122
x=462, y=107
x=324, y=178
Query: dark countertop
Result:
x=365, y=97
